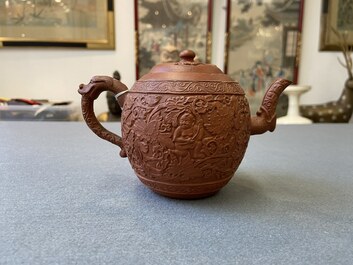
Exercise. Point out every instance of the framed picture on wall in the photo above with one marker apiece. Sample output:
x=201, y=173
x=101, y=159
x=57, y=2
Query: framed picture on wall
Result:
x=263, y=43
x=336, y=15
x=60, y=23
x=166, y=27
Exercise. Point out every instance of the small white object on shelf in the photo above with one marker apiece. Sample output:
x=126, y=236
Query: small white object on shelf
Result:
x=293, y=116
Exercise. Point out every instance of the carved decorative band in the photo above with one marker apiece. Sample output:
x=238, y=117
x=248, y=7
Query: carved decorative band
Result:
x=187, y=87
x=185, y=188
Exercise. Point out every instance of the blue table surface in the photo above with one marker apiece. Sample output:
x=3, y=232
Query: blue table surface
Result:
x=66, y=197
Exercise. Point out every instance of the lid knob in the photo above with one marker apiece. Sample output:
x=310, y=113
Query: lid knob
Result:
x=187, y=56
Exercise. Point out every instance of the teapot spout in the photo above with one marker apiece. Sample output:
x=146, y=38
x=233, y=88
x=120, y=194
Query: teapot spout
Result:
x=265, y=119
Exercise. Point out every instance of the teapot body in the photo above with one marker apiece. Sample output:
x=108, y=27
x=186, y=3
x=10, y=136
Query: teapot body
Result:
x=185, y=125
x=185, y=139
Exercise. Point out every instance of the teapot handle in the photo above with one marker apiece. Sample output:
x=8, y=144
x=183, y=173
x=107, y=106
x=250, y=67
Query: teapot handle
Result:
x=90, y=93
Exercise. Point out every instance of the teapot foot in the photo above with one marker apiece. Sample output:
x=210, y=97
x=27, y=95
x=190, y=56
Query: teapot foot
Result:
x=185, y=191
x=185, y=196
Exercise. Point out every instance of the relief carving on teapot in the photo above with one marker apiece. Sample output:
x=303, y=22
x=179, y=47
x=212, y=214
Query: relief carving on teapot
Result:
x=192, y=87
x=204, y=135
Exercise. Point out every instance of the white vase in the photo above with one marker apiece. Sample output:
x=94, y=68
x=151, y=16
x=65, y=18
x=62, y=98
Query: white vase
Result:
x=293, y=115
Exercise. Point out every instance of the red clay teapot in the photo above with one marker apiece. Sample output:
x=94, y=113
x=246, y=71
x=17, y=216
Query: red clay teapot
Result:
x=185, y=125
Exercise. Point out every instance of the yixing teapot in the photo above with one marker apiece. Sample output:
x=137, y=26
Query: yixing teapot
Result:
x=185, y=125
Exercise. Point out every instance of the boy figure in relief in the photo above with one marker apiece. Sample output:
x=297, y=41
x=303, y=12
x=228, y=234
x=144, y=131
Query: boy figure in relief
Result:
x=187, y=136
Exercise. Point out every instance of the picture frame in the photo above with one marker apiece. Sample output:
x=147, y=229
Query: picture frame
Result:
x=62, y=23
x=164, y=28
x=336, y=16
x=263, y=40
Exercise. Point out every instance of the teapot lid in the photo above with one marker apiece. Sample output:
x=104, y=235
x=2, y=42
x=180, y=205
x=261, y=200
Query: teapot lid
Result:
x=186, y=69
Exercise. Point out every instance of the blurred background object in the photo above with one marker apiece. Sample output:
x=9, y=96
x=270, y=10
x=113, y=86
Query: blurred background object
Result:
x=114, y=110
